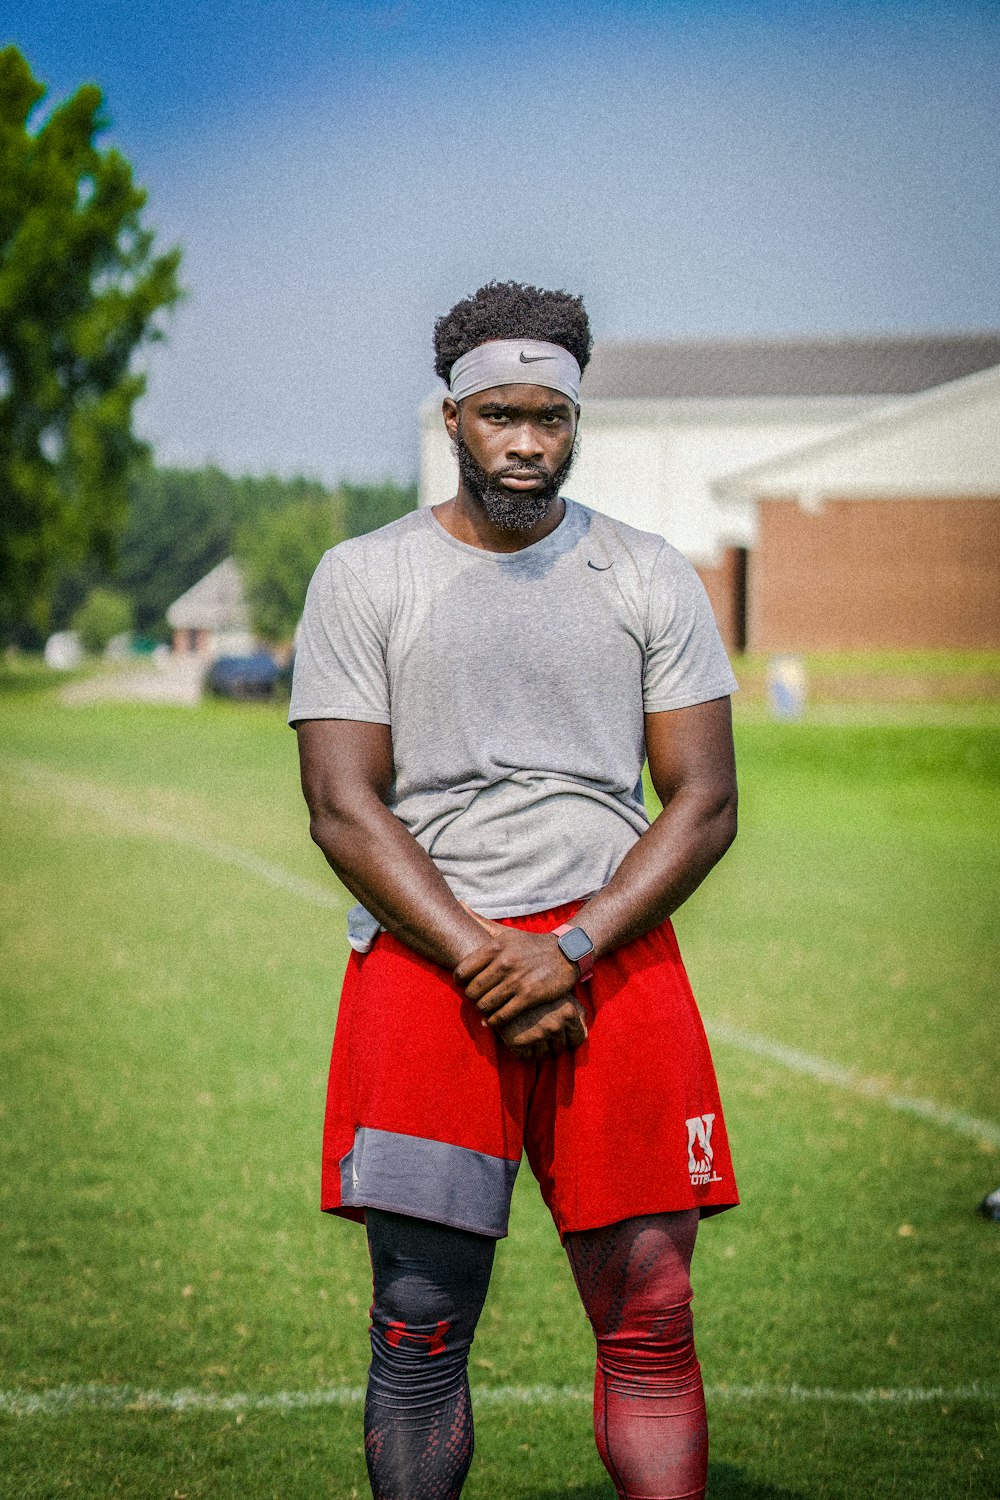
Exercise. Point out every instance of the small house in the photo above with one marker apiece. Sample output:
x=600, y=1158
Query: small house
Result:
x=212, y=618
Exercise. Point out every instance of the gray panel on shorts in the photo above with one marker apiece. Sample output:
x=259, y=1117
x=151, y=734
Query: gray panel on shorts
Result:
x=434, y=1180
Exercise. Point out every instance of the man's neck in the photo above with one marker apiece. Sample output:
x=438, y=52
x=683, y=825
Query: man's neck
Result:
x=464, y=519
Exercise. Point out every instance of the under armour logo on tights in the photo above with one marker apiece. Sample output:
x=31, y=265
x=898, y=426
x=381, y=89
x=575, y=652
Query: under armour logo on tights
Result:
x=395, y=1333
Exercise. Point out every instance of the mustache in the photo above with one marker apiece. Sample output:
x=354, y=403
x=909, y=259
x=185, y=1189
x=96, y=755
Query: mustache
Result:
x=521, y=471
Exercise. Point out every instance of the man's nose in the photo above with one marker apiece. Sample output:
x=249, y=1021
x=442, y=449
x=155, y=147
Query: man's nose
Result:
x=523, y=442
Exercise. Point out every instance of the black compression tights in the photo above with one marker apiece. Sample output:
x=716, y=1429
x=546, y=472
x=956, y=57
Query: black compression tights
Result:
x=430, y=1285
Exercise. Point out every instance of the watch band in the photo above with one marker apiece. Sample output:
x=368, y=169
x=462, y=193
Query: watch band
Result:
x=577, y=948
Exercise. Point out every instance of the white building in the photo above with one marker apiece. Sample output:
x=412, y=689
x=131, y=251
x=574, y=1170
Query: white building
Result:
x=884, y=534
x=662, y=423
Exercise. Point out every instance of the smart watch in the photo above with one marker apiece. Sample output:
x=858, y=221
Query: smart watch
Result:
x=575, y=945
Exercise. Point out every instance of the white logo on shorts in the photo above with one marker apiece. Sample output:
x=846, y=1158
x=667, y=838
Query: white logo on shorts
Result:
x=700, y=1153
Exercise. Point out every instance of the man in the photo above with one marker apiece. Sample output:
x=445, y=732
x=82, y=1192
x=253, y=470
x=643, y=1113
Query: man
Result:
x=476, y=688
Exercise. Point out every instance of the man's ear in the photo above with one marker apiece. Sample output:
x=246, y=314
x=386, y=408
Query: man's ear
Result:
x=451, y=414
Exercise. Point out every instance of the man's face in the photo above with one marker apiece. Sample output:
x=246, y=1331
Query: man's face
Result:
x=514, y=445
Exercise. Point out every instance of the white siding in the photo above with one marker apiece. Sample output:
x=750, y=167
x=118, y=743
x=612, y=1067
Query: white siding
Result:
x=942, y=442
x=652, y=464
x=621, y=471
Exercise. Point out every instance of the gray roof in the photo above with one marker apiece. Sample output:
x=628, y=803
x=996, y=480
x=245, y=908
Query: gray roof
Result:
x=870, y=365
x=215, y=602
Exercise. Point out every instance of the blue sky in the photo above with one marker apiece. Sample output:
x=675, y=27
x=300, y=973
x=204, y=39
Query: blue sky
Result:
x=340, y=174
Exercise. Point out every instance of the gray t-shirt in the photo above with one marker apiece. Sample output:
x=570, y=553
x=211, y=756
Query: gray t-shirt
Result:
x=515, y=685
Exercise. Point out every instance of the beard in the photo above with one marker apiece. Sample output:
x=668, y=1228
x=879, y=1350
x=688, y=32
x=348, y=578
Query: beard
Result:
x=506, y=509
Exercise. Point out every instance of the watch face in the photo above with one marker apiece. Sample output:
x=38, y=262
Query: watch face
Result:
x=576, y=944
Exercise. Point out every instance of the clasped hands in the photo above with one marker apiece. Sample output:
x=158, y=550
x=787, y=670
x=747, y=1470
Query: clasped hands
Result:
x=521, y=983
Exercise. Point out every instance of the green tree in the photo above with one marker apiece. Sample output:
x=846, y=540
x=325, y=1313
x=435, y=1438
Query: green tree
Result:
x=104, y=613
x=368, y=506
x=80, y=290
x=278, y=552
x=181, y=522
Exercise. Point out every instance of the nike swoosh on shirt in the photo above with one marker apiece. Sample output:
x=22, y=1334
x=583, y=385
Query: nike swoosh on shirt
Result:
x=532, y=359
x=597, y=567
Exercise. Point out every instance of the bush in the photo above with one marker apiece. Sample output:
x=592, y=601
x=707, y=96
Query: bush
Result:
x=103, y=614
x=277, y=555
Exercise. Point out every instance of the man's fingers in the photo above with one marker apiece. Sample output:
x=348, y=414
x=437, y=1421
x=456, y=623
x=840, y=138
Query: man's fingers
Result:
x=490, y=988
x=505, y=1008
x=506, y=1005
x=513, y=1008
x=473, y=962
x=576, y=1031
x=554, y=1030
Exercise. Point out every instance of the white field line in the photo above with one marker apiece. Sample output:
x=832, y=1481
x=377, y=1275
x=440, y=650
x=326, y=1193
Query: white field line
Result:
x=62, y=1399
x=119, y=810
x=846, y=1078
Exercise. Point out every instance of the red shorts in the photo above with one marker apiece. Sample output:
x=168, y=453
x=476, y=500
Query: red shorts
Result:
x=428, y=1112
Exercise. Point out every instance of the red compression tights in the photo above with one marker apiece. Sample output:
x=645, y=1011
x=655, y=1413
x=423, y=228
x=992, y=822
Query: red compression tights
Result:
x=649, y=1405
x=430, y=1283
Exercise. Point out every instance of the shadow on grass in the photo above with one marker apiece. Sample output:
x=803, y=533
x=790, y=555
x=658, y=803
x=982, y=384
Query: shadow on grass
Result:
x=20, y=681
x=729, y=1482
x=725, y=1482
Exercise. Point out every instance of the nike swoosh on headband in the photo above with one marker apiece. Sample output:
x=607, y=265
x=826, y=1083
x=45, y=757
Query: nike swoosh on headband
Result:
x=597, y=567
x=504, y=362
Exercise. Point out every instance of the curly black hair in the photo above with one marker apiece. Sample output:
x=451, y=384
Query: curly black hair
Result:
x=511, y=310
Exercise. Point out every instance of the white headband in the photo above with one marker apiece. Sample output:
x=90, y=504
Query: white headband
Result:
x=515, y=362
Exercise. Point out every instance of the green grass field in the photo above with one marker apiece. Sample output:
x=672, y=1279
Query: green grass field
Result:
x=169, y=963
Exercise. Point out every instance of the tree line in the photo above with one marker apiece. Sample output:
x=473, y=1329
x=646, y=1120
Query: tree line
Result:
x=182, y=522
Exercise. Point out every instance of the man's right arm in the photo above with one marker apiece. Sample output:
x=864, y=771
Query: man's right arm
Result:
x=346, y=767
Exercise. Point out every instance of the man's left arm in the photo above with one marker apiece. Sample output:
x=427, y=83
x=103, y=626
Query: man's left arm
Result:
x=692, y=766
x=693, y=769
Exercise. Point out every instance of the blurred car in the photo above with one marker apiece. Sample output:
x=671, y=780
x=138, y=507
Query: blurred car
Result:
x=243, y=676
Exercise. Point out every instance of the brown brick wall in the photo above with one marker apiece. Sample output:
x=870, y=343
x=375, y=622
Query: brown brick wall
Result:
x=191, y=642
x=722, y=584
x=876, y=573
